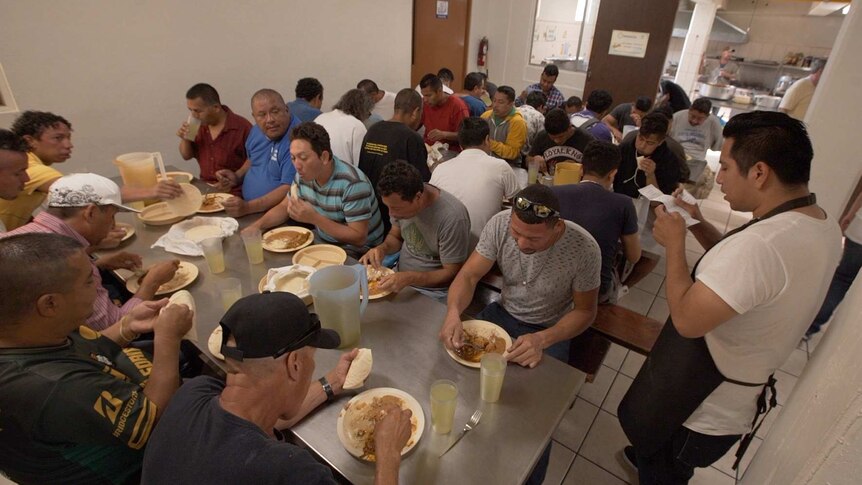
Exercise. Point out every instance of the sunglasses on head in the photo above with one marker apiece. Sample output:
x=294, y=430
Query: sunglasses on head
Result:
x=296, y=344
x=539, y=210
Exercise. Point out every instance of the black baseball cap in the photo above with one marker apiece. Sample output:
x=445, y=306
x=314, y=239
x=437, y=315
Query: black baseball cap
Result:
x=270, y=325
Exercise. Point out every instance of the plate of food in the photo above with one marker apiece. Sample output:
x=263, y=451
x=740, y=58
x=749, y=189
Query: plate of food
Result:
x=357, y=419
x=374, y=277
x=214, y=343
x=320, y=256
x=484, y=337
x=130, y=230
x=291, y=279
x=213, y=203
x=287, y=239
x=185, y=275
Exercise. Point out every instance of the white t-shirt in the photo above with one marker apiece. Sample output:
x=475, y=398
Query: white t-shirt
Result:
x=480, y=182
x=774, y=274
x=385, y=108
x=854, y=230
x=797, y=98
x=345, y=135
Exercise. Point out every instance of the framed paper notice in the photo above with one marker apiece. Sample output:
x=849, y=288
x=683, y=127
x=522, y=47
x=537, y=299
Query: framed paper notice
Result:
x=629, y=44
x=442, y=9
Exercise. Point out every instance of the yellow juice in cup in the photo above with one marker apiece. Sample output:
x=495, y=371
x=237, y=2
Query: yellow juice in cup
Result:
x=444, y=396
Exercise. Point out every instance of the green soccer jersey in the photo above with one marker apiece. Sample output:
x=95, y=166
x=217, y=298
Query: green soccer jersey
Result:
x=74, y=413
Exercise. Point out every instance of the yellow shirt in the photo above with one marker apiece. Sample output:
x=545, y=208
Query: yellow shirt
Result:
x=15, y=213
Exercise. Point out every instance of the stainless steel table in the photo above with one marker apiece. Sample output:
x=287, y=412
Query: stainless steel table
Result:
x=402, y=329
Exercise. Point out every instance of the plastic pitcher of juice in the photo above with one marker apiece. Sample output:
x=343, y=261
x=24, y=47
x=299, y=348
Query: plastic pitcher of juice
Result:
x=336, y=290
x=567, y=173
x=138, y=169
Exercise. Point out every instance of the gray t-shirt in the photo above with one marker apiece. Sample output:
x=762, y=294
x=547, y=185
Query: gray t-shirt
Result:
x=538, y=288
x=438, y=235
x=696, y=139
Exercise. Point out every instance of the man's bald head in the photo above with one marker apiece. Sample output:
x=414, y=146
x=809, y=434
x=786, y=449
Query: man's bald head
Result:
x=268, y=94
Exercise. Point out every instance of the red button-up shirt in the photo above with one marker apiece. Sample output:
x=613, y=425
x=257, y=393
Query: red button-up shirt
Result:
x=226, y=151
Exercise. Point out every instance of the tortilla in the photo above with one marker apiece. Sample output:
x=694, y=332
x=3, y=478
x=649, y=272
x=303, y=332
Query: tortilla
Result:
x=359, y=370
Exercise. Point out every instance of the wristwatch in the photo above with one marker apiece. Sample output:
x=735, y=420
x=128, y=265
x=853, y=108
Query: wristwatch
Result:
x=327, y=388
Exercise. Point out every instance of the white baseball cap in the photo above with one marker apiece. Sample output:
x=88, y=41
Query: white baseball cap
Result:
x=82, y=189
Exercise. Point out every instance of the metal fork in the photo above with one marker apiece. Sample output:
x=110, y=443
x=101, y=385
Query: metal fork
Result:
x=474, y=420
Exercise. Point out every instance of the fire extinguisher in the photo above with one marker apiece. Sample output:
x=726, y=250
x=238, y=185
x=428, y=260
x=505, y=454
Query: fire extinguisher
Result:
x=483, y=52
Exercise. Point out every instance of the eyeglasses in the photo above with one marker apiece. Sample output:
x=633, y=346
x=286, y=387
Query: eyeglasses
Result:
x=539, y=210
x=297, y=344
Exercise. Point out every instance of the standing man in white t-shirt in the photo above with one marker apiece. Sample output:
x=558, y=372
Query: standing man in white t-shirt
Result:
x=741, y=314
x=797, y=98
x=477, y=179
x=384, y=101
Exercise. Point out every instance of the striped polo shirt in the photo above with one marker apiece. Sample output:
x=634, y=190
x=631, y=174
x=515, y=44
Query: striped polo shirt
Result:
x=346, y=197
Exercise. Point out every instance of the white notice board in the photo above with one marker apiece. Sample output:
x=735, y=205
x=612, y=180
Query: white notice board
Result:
x=629, y=44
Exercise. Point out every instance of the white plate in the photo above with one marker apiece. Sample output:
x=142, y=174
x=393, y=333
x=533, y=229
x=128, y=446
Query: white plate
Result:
x=408, y=402
x=484, y=329
x=269, y=246
x=130, y=230
x=188, y=203
x=158, y=215
x=180, y=177
x=186, y=275
x=219, y=198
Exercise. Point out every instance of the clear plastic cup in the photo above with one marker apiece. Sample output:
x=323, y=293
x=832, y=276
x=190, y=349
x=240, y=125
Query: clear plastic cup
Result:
x=253, y=243
x=214, y=254
x=444, y=397
x=493, y=370
x=194, y=125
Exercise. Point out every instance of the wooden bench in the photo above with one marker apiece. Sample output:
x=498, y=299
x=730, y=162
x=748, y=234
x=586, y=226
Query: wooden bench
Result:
x=613, y=324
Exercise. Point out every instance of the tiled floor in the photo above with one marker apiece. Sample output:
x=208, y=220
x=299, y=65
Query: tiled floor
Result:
x=588, y=443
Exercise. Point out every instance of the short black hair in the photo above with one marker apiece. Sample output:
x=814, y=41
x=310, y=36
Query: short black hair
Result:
x=9, y=140
x=315, y=135
x=369, y=86
x=703, y=105
x=308, y=88
x=431, y=81
x=407, y=100
x=643, y=103
x=665, y=110
x=34, y=123
x=537, y=194
x=551, y=70
x=446, y=73
x=207, y=93
x=508, y=91
x=356, y=103
x=473, y=132
x=557, y=121
x=399, y=177
x=574, y=102
x=599, y=101
x=472, y=80
x=536, y=99
x=774, y=138
x=654, y=124
x=33, y=264
x=600, y=158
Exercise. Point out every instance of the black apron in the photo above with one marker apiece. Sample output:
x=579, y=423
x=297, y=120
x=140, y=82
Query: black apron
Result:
x=679, y=374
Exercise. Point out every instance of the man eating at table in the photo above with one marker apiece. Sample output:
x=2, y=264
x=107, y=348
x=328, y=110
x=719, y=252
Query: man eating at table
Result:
x=430, y=227
x=82, y=206
x=267, y=174
x=228, y=432
x=220, y=142
x=442, y=113
x=77, y=405
x=647, y=159
x=332, y=195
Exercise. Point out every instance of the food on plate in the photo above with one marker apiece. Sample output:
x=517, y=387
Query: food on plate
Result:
x=476, y=345
x=178, y=280
x=287, y=239
x=374, y=277
x=359, y=370
x=361, y=417
x=211, y=202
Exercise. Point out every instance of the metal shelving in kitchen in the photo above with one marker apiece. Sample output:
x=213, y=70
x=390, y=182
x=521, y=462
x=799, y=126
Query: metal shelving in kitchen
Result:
x=758, y=75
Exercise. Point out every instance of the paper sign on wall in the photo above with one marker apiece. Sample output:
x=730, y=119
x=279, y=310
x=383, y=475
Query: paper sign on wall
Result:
x=629, y=44
x=442, y=9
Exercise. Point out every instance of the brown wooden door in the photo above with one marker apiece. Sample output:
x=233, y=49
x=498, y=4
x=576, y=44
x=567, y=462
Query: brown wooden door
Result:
x=629, y=77
x=440, y=42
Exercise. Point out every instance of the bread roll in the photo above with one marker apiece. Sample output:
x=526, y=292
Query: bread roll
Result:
x=359, y=370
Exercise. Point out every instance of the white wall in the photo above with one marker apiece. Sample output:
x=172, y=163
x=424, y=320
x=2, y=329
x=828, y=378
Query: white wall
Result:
x=509, y=31
x=118, y=70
